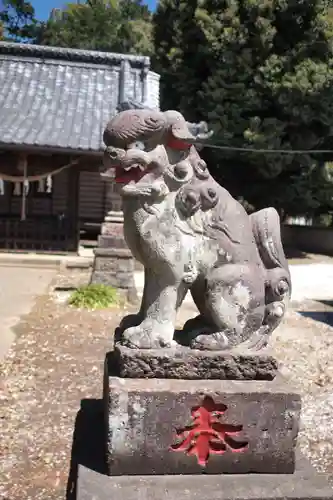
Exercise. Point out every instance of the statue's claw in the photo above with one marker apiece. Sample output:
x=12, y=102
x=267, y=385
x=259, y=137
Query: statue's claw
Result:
x=148, y=336
x=259, y=340
x=198, y=335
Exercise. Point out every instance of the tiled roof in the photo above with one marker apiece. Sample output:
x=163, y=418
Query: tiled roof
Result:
x=63, y=98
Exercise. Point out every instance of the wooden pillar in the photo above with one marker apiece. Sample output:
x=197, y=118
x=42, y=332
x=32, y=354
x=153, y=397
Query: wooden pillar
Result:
x=73, y=208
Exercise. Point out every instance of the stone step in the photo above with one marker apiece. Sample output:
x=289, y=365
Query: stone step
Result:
x=302, y=485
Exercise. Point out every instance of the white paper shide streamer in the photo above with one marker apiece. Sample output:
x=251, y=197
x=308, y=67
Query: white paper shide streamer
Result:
x=17, y=189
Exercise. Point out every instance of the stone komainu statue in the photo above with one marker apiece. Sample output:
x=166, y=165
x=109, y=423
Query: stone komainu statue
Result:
x=192, y=235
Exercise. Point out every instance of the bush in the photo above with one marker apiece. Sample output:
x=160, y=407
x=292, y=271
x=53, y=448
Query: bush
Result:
x=94, y=297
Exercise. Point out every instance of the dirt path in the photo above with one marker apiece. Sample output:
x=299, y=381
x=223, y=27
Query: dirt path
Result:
x=19, y=288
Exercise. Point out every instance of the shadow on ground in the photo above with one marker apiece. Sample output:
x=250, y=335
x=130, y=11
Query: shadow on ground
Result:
x=322, y=316
x=328, y=303
x=88, y=443
x=294, y=253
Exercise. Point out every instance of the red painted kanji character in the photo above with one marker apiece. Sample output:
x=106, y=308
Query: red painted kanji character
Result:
x=206, y=435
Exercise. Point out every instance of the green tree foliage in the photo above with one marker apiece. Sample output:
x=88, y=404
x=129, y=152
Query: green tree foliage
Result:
x=106, y=25
x=261, y=73
x=17, y=21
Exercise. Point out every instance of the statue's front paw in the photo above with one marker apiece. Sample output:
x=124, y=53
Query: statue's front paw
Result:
x=148, y=336
x=137, y=338
x=129, y=321
x=210, y=342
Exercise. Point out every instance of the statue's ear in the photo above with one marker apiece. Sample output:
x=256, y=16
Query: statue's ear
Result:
x=181, y=132
x=178, y=127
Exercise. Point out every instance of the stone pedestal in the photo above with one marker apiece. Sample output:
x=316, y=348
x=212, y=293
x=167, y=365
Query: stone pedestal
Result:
x=170, y=425
x=186, y=424
x=114, y=263
x=115, y=267
x=152, y=429
x=187, y=364
x=112, y=231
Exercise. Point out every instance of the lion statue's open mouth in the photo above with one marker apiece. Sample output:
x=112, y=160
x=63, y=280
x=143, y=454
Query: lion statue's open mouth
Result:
x=139, y=172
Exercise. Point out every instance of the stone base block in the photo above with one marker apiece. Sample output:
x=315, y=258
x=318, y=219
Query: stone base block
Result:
x=158, y=426
x=188, y=364
x=114, y=267
x=111, y=242
x=303, y=485
x=113, y=226
x=112, y=233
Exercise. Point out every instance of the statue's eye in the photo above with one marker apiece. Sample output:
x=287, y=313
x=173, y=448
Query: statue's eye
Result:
x=136, y=145
x=201, y=169
x=180, y=171
x=201, y=165
x=211, y=193
x=191, y=198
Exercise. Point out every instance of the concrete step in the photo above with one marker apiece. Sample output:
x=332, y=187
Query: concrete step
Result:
x=30, y=260
x=45, y=261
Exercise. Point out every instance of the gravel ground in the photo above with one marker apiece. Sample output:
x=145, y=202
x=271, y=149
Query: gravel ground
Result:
x=304, y=347
x=57, y=362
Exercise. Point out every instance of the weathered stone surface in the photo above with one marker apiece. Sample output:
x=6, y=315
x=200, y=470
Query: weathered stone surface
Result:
x=303, y=485
x=107, y=241
x=113, y=260
x=144, y=418
x=187, y=364
x=113, y=229
x=112, y=235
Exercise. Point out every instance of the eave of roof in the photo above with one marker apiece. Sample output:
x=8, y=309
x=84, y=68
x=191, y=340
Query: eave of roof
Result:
x=74, y=55
x=39, y=149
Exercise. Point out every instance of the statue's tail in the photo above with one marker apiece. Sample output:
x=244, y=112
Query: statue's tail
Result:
x=267, y=233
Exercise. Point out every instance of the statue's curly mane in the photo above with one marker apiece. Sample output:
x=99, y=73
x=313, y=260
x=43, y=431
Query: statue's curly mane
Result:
x=133, y=125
